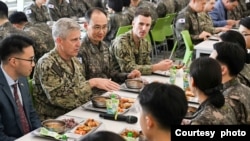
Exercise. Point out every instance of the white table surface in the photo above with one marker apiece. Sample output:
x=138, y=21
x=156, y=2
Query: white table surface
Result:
x=205, y=47
x=110, y=125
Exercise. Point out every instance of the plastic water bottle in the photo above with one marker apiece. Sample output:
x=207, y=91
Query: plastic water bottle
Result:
x=112, y=104
x=130, y=137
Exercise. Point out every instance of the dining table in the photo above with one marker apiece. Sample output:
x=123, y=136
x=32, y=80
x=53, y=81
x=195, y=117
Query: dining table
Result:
x=111, y=125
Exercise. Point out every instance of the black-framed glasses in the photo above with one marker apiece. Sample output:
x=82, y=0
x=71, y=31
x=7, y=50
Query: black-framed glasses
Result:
x=245, y=34
x=30, y=60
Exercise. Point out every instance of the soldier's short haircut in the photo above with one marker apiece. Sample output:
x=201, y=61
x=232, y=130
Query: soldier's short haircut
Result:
x=89, y=13
x=165, y=102
x=231, y=55
x=63, y=26
x=245, y=22
x=3, y=10
x=143, y=11
x=17, y=17
x=14, y=44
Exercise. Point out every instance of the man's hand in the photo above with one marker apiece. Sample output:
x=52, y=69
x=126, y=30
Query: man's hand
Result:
x=105, y=84
x=134, y=74
x=163, y=65
x=204, y=35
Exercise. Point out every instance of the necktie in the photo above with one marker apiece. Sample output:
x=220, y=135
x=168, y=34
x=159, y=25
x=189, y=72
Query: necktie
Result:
x=24, y=121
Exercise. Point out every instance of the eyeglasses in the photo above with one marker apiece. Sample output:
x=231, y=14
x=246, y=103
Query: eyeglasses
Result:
x=30, y=60
x=99, y=28
x=245, y=34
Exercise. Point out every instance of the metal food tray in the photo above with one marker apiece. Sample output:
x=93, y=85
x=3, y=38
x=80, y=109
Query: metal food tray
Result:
x=162, y=73
x=69, y=132
x=123, y=87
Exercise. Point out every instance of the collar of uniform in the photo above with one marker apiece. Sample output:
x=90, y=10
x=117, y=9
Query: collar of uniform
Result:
x=230, y=83
x=93, y=47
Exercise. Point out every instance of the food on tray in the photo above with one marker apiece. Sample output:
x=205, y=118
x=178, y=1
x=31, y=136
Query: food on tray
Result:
x=54, y=125
x=125, y=103
x=87, y=126
x=135, y=133
x=70, y=122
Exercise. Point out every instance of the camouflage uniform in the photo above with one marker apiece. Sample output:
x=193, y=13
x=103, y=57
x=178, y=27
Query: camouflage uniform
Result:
x=79, y=7
x=36, y=14
x=42, y=35
x=115, y=21
x=187, y=19
x=127, y=57
x=130, y=12
x=166, y=7
x=180, y=4
x=235, y=14
x=244, y=75
x=206, y=22
x=97, y=62
x=58, y=90
x=245, y=11
x=207, y=114
x=239, y=96
x=7, y=29
x=57, y=11
x=96, y=3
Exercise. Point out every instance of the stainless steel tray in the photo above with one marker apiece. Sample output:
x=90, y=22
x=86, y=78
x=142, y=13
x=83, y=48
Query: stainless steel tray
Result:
x=123, y=87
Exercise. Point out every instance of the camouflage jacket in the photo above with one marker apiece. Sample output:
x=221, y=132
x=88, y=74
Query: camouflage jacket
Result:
x=207, y=114
x=206, y=22
x=97, y=61
x=79, y=7
x=115, y=21
x=168, y=6
x=127, y=57
x=244, y=75
x=42, y=35
x=187, y=19
x=36, y=14
x=57, y=11
x=130, y=12
x=58, y=90
x=7, y=29
x=238, y=95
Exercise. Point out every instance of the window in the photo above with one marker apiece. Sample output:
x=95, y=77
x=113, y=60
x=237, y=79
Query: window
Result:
x=17, y=5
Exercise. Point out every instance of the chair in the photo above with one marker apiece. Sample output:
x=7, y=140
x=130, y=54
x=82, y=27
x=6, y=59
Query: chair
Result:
x=157, y=33
x=189, y=47
x=30, y=82
x=123, y=29
x=168, y=25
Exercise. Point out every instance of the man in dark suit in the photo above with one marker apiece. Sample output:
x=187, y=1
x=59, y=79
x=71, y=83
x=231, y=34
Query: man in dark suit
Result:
x=17, y=115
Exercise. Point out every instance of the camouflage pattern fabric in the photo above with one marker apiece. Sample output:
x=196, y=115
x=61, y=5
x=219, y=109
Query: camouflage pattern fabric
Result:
x=58, y=90
x=36, y=14
x=235, y=14
x=57, y=11
x=130, y=12
x=7, y=29
x=151, y=8
x=206, y=22
x=96, y=60
x=96, y=3
x=180, y=4
x=115, y=21
x=244, y=75
x=207, y=114
x=42, y=35
x=79, y=7
x=127, y=56
x=187, y=19
x=238, y=95
x=169, y=5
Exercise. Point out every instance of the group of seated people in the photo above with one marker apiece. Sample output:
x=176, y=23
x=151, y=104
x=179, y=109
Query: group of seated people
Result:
x=74, y=69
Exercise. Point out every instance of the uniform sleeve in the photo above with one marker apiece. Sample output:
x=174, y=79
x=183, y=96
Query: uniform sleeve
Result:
x=60, y=89
x=126, y=59
x=52, y=12
x=181, y=23
x=30, y=14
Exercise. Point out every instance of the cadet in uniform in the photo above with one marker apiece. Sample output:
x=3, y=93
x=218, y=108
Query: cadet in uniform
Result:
x=95, y=54
x=79, y=7
x=205, y=82
x=59, y=9
x=37, y=12
x=116, y=19
x=232, y=60
x=206, y=21
x=132, y=51
x=187, y=19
